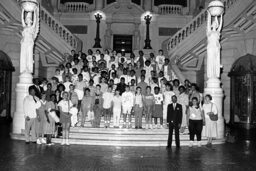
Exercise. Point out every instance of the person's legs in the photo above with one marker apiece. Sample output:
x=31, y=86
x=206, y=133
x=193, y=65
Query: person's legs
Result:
x=136, y=113
x=118, y=113
x=115, y=113
x=177, y=136
x=199, y=128
x=171, y=127
x=140, y=117
x=27, y=130
x=33, y=129
x=161, y=121
x=67, y=133
x=84, y=113
x=191, y=130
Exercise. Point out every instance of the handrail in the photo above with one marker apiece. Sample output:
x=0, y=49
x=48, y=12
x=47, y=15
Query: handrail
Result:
x=166, y=9
x=192, y=26
x=58, y=28
x=76, y=7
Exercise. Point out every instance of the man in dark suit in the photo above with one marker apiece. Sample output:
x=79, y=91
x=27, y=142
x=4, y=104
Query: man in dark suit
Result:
x=174, y=119
x=38, y=89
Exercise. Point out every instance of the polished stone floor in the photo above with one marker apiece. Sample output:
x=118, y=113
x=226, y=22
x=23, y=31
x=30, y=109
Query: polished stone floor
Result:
x=17, y=156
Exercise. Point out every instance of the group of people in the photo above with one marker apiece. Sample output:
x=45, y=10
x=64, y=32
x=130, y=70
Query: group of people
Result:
x=111, y=85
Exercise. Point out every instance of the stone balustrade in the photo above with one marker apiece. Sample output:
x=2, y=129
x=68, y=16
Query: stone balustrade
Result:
x=192, y=26
x=76, y=7
x=166, y=9
x=58, y=28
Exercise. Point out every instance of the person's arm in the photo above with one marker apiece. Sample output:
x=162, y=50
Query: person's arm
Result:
x=168, y=113
x=203, y=116
x=221, y=23
x=208, y=22
x=188, y=116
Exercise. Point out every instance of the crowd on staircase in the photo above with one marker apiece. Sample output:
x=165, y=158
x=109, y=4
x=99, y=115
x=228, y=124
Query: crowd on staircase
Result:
x=87, y=87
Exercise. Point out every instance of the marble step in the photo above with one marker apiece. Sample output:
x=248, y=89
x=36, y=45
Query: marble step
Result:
x=106, y=142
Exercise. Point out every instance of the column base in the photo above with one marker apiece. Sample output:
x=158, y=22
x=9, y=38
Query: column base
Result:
x=25, y=80
x=213, y=88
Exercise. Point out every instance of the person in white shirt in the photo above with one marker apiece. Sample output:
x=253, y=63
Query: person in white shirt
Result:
x=160, y=59
x=30, y=105
x=58, y=75
x=138, y=108
x=167, y=100
x=79, y=89
x=67, y=83
x=125, y=76
x=97, y=55
x=127, y=104
x=107, y=105
x=65, y=117
x=148, y=68
x=117, y=108
x=107, y=57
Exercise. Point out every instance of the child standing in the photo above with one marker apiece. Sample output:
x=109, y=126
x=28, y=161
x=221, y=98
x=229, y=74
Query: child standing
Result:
x=117, y=108
x=87, y=105
x=127, y=104
x=138, y=108
x=167, y=100
x=107, y=106
x=148, y=107
x=158, y=107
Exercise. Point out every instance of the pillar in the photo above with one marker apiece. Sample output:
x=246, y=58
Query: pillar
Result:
x=99, y=4
x=55, y=4
x=213, y=88
x=137, y=37
x=147, y=5
x=26, y=66
x=107, y=36
x=36, y=68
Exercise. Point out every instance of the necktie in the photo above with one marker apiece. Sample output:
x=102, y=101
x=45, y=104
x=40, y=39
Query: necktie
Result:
x=174, y=105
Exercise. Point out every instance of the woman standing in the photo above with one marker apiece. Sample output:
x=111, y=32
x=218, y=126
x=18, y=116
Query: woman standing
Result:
x=210, y=126
x=138, y=108
x=65, y=117
x=183, y=100
x=97, y=107
x=41, y=120
x=196, y=120
x=49, y=126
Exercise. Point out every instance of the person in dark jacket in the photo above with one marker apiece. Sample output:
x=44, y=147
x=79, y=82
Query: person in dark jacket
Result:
x=174, y=119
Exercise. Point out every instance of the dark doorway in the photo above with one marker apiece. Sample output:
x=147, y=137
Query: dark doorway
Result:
x=6, y=69
x=122, y=43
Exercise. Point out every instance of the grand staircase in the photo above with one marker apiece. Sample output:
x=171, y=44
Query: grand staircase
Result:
x=186, y=49
x=54, y=39
x=122, y=137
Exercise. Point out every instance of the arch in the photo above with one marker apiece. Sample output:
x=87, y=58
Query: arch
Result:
x=6, y=69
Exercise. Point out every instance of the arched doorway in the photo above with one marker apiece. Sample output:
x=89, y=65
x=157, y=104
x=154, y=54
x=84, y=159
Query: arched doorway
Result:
x=243, y=96
x=6, y=69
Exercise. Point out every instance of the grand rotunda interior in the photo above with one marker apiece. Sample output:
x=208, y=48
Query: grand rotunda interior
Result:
x=211, y=44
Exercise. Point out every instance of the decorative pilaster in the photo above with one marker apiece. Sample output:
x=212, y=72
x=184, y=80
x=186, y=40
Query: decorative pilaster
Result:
x=107, y=36
x=99, y=4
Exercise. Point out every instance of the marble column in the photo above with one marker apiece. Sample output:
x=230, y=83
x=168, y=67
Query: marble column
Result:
x=147, y=5
x=36, y=68
x=29, y=33
x=99, y=4
x=107, y=36
x=55, y=4
x=137, y=37
x=213, y=86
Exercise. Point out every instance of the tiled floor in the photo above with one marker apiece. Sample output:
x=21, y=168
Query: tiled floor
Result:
x=17, y=156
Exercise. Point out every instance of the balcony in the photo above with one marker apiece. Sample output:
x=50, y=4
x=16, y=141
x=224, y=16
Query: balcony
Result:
x=167, y=9
x=76, y=7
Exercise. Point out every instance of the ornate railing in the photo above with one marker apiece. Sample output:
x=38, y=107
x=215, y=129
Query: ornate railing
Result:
x=76, y=7
x=58, y=28
x=170, y=9
x=192, y=26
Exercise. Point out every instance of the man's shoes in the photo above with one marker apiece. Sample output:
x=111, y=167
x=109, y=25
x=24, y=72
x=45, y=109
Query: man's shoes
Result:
x=168, y=147
x=136, y=127
x=27, y=142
